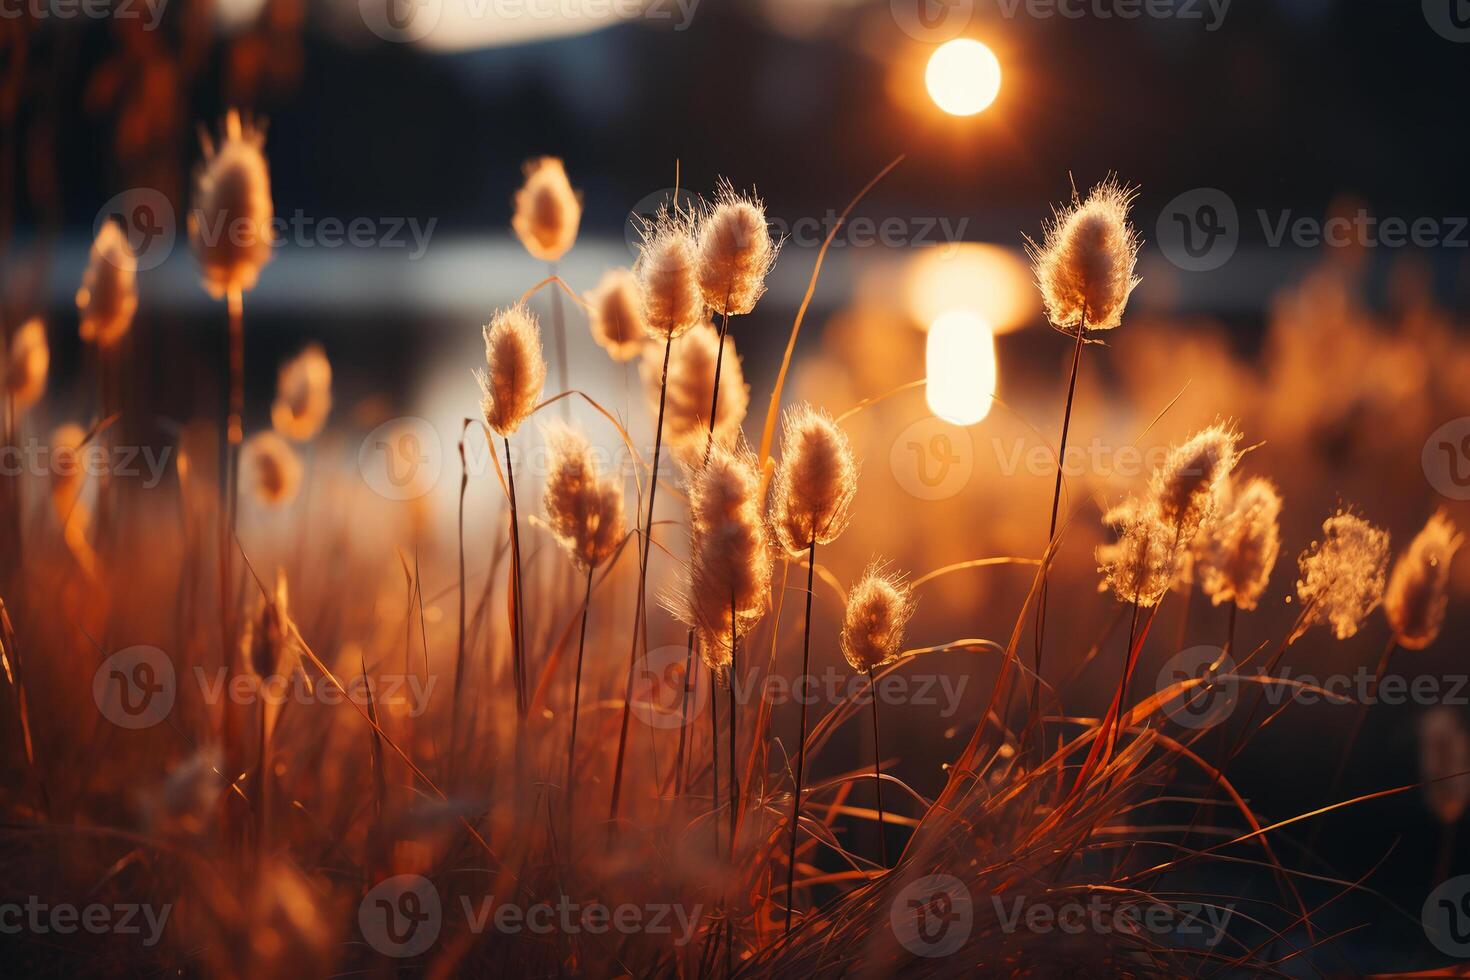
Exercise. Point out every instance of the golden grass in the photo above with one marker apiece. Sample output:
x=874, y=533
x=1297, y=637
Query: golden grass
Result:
x=267, y=828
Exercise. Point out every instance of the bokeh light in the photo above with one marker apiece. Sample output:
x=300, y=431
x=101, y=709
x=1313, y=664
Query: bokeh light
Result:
x=960, y=367
x=989, y=280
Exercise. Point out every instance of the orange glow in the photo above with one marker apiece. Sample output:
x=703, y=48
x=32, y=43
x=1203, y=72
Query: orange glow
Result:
x=988, y=280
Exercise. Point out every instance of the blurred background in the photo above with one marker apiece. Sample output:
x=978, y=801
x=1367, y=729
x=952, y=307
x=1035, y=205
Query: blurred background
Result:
x=1247, y=127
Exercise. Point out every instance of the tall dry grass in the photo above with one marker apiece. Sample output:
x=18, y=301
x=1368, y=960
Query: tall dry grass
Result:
x=269, y=829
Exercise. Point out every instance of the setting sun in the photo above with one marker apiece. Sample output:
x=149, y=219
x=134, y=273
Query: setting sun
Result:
x=963, y=77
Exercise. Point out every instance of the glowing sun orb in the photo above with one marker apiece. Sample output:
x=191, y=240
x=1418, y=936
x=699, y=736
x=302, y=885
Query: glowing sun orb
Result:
x=963, y=77
x=961, y=377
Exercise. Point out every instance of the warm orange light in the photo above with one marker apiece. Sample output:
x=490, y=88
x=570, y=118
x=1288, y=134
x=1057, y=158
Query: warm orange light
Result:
x=963, y=77
x=989, y=280
x=961, y=369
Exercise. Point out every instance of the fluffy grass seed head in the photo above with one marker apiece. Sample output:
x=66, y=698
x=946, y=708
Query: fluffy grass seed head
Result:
x=1084, y=264
x=729, y=553
x=547, y=211
x=815, y=481
x=583, y=506
x=735, y=251
x=1416, y=599
x=1342, y=574
x=1143, y=560
x=1186, y=488
x=27, y=363
x=1240, y=549
x=668, y=272
x=272, y=468
x=616, y=317
x=515, y=370
x=230, y=221
x=108, y=296
x=303, y=395
x=878, y=610
x=691, y=391
x=266, y=641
